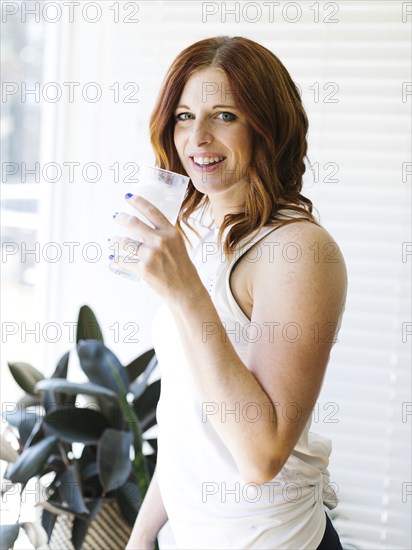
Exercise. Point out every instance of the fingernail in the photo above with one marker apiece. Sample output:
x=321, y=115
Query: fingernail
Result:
x=129, y=195
x=111, y=257
x=115, y=214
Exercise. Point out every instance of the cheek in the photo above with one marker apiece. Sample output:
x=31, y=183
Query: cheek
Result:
x=248, y=145
x=245, y=148
x=179, y=140
x=242, y=142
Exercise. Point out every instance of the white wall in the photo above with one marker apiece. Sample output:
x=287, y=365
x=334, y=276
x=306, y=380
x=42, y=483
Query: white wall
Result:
x=363, y=57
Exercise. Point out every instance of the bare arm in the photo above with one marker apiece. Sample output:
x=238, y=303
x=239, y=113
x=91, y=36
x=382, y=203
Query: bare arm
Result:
x=305, y=294
x=285, y=365
x=150, y=519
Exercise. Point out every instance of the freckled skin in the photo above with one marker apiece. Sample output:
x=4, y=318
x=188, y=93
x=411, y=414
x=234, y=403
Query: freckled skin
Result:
x=206, y=129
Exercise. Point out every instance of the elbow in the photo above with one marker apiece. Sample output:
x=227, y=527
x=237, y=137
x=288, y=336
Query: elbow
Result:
x=263, y=472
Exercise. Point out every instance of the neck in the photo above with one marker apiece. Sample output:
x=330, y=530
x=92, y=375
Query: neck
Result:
x=222, y=204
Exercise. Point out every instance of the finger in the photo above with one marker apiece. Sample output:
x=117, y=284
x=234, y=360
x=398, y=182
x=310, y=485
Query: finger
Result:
x=136, y=227
x=152, y=213
x=129, y=273
x=127, y=264
x=123, y=246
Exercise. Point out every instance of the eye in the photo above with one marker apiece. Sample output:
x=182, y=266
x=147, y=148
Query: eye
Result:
x=182, y=116
x=227, y=117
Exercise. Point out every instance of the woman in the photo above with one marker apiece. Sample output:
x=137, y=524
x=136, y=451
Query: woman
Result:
x=251, y=309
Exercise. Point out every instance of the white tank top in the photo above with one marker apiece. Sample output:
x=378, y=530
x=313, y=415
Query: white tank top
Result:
x=208, y=504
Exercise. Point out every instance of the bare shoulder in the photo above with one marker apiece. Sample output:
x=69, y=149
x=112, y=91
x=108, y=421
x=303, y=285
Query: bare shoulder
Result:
x=292, y=263
x=302, y=241
x=300, y=252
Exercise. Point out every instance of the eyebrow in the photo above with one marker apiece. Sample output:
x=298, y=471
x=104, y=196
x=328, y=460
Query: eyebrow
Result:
x=214, y=106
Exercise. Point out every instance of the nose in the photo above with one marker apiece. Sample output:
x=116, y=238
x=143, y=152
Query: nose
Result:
x=200, y=133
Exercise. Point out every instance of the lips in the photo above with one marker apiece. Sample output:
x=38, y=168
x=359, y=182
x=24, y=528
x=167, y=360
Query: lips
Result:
x=201, y=160
x=210, y=167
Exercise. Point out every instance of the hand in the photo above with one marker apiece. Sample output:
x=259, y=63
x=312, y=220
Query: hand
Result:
x=158, y=255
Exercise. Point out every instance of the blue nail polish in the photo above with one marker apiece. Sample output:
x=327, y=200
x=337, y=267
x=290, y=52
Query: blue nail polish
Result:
x=111, y=257
x=129, y=195
x=108, y=239
x=115, y=214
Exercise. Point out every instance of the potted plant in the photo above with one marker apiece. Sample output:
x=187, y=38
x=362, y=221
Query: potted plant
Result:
x=86, y=440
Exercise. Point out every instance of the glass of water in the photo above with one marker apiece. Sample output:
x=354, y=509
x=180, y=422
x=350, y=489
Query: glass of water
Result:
x=163, y=188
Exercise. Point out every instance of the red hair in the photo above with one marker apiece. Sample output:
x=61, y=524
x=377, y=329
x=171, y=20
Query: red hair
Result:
x=267, y=95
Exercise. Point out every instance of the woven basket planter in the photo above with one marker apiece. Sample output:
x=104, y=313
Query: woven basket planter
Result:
x=108, y=530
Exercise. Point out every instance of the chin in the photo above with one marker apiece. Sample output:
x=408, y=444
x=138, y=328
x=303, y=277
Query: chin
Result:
x=208, y=185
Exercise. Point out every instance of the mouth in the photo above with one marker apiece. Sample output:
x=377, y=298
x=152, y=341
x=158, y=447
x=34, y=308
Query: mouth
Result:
x=210, y=166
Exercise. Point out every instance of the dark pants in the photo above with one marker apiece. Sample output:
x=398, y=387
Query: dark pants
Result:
x=330, y=539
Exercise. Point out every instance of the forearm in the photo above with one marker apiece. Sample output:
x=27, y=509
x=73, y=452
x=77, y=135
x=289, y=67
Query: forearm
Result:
x=150, y=519
x=225, y=384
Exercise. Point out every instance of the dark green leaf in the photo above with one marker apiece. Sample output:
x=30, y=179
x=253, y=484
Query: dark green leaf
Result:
x=31, y=462
x=88, y=456
x=153, y=444
x=129, y=499
x=49, y=401
x=58, y=508
x=97, y=362
x=61, y=369
x=61, y=385
x=81, y=526
x=55, y=463
x=16, y=416
x=151, y=464
x=113, y=458
x=92, y=488
x=148, y=421
x=138, y=365
x=139, y=465
x=94, y=506
x=139, y=385
x=88, y=327
x=111, y=409
x=77, y=425
x=89, y=471
x=70, y=491
x=61, y=372
x=52, y=506
x=29, y=425
x=25, y=375
x=28, y=401
x=8, y=535
x=36, y=435
x=147, y=402
x=48, y=519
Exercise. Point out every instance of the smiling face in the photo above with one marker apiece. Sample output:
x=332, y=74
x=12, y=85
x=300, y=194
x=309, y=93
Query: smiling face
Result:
x=212, y=136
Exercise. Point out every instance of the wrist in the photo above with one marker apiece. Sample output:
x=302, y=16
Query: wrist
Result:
x=190, y=298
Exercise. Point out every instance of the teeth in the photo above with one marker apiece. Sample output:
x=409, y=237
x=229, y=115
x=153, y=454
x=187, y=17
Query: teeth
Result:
x=207, y=160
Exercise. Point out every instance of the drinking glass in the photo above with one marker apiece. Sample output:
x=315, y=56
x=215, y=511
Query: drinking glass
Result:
x=163, y=188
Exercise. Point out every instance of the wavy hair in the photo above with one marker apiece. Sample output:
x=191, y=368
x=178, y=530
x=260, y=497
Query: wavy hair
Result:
x=270, y=100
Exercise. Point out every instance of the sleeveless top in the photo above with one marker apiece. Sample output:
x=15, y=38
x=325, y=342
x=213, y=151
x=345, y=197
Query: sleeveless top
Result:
x=208, y=504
